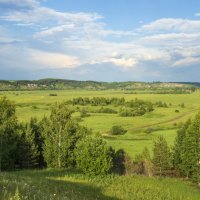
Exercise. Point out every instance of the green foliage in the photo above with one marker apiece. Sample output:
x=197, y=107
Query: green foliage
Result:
x=161, y=104
x=93, y=156
x=61, y=133
x=27, y=149
x=144, y=163
x=161, y=156
x=17, y=195
x=53, y=95
x=179, y=147
x=84, y=113
x=117, y=130
x=107, y=110
x=189, y=149
x=8, y=136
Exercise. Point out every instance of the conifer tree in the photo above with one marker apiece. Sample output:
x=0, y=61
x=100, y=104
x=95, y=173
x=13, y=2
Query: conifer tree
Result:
x=161, y=156
x=8, y=136
x=178, y=146
x=190, y=153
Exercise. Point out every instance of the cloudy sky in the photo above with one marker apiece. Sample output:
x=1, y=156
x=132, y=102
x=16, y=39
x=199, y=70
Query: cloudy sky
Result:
x=103, y=40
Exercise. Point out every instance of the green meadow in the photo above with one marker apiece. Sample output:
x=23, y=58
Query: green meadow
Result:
x=162, y=121
x=72, y=185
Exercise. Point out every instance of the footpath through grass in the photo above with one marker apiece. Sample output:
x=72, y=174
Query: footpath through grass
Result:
x=62, y=184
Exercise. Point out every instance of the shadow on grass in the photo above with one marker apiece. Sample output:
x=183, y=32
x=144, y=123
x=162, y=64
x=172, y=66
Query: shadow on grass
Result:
x=54, y=184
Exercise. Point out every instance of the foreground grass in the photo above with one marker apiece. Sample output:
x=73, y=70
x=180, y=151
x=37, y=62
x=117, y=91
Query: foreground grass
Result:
x=60, y=184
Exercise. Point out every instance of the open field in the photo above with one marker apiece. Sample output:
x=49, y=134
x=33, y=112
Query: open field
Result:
x=63, y=184
x=162, y=120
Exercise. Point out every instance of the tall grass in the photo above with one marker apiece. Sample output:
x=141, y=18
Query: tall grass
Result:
x=71, y=185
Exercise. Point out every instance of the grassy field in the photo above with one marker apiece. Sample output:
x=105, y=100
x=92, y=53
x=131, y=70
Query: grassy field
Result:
x=162, y=120
x=71, y=185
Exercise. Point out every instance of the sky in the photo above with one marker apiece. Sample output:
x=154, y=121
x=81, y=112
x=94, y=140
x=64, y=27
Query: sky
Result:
x=101, y=40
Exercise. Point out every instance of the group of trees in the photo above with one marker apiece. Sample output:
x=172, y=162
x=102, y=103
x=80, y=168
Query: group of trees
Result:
x=97, y=101
x=128, y=108
x=56, y=142
x=102, y=101
x=187, y=149
x=181, y=160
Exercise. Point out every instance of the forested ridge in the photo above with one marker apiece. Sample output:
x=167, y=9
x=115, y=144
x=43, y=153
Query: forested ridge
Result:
x=62, y=84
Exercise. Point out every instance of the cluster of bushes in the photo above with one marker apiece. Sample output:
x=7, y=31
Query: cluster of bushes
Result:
x=107, y=110
x=102, y=101
x=53, y=95
x=96, y=101
x=84, y=113
x=130, y=108
x=128, y=112
x=117, y=130
x=161, y=104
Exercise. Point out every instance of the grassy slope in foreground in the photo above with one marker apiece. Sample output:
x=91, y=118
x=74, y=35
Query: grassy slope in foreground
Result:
x=58, y=184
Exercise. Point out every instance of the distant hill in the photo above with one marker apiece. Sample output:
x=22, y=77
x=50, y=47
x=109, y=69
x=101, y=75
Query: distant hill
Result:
x=63, y=84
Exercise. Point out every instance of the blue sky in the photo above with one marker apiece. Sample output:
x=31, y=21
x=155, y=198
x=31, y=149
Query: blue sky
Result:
x=103, y=40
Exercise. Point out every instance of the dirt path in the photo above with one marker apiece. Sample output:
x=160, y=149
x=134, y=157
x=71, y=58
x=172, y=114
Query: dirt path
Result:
x=166, y=121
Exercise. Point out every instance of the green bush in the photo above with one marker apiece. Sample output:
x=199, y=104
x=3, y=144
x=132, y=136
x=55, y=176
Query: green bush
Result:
x=107, y=110
x=93, y=156
x=84, y=113
x=117, y=130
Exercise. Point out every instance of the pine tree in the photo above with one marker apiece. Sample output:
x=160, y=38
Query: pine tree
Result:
x=8, y=136
x=37, y=129
x=161, y=156
x=144, y=163
x=27, y=148
x=190, y=153
x=178, y=146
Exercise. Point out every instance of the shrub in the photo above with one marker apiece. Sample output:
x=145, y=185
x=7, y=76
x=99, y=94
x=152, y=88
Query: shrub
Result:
x=53, y=95
x=149, y=130
x=93, y=156
x=107, y=110
x=84, y=113
x=117, y=130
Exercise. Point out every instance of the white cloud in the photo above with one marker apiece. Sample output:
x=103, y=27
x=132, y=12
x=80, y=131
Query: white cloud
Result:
x=188, y=61
x=20, y=3
x=43, y=14
x=172, y=24
x=123, y=62
x=53, y=60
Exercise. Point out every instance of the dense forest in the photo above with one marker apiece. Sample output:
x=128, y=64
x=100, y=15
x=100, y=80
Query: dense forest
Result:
x=62, y=84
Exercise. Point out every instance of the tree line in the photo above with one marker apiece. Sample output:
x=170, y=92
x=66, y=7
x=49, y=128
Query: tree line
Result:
x=128, y=108
x=58, y=141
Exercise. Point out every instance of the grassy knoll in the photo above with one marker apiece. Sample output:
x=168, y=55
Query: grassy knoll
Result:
x=58, y=184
